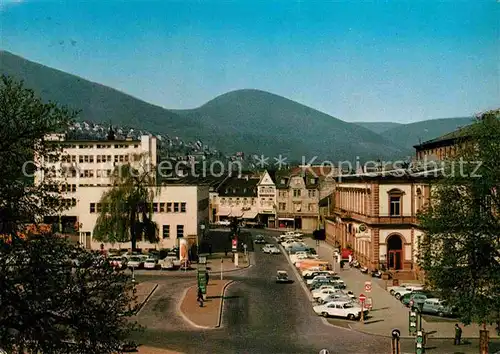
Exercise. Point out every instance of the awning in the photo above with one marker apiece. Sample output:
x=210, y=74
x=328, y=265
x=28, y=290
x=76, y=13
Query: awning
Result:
x=286, y=219
x=223, y=212
x=249, y=215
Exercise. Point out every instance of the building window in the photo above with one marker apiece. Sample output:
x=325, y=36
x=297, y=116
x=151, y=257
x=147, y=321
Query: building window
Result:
x=92, y=207
x=176, y=207
x=296, y=192
x=155, y=207
x=183, y=207
x=419, y=199
x=312, y=193
x=180, y=231
x=166, y=231
x=282, y=206
x=162, y=207
x=80, y=159
x=310, y=207
x=169, y=207
x=395, y=205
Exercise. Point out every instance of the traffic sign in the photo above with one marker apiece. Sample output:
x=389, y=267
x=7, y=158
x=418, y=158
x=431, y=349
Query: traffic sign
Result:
x=412, y=303
x=368, y=286
x=362, y=297
x=235, y=244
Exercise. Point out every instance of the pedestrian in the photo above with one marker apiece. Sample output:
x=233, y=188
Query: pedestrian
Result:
x=207, y=277
x=200, y=297
x=458, y=334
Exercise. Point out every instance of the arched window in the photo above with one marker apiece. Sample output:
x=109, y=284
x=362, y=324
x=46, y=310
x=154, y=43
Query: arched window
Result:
x=395, y=202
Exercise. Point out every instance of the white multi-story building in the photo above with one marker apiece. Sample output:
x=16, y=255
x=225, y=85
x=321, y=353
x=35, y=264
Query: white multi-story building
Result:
x=83, y=173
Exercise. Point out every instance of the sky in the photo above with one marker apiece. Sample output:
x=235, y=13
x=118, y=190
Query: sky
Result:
x=399, y=61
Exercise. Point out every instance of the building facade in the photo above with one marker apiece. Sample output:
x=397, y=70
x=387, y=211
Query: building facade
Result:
x=83, y=175
x=375, y=215
x=266, y=200
x=237, y=197
x=298, y=201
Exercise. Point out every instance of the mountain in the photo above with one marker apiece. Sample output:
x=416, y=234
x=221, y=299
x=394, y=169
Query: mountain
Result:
x=250, y=121
x=378, y=127
x=408, y=135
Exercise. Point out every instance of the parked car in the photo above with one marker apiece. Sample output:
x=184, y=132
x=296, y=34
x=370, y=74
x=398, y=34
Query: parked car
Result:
x=310, y=275
x=392, y=289
x=340, y=296
x=322, y=277
x=223, y=223
x=136, y=262
x=318, y=284
x=267, y=248
x=151, y=263
x=167, y=263
x=282, y=277
x=418, y=298
x=399, y=293
x=437, y=307
x=344, y=309
x=323, y=292
x=274, y=250
x=259, y=239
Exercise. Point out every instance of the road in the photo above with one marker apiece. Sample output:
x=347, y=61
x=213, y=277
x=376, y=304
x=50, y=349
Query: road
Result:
x=261, y=316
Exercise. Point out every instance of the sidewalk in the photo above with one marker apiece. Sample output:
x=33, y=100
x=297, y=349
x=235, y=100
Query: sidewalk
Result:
x=208, y=316
x=388, y=312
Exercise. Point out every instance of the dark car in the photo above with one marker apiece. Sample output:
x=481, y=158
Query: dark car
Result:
x=282, y=277
x=259, y=239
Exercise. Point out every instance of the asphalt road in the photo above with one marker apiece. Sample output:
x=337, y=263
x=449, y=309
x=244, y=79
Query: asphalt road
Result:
x=261, y=316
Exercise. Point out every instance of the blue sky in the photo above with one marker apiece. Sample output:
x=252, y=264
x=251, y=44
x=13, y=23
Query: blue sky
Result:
x=398, y=61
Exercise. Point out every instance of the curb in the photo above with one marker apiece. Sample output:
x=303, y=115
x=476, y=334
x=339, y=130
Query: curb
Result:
x=221, y=306
x=146, y=300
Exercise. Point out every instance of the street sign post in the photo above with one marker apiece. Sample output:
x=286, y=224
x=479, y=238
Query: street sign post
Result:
x=412, y=322
x=362, y=299
x=395, y=344
x=368, y=286
x=234, y=244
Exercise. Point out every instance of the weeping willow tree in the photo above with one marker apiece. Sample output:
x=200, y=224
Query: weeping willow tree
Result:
x=126, y=212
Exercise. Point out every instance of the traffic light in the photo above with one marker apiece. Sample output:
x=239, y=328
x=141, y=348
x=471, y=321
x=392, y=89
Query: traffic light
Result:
x=412, y=326
x=419, y=343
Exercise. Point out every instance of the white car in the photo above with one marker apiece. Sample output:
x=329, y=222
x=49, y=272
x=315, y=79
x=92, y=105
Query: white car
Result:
x=324, y=298
x=135, y=262
x=321, y=293
x=170, y=262
x=316, y=271
x=392, y=289
x=344, y=309
x=400, y=292
x=267, y=248
x=151, y=263
x=274, y=250
x=224, y=223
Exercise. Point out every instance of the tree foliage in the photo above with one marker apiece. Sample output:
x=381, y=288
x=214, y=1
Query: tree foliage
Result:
x=48, y=305
x=52, y=304
x=24, y=123
x=126, y=213
x=461, y=248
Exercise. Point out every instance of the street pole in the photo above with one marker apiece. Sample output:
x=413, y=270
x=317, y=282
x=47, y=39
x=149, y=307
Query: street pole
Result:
x=221, y=262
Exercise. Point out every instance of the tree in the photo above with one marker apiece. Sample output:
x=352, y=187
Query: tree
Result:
x=48, y=304
x=25, y=121
x=126, y=212
x=460, y=252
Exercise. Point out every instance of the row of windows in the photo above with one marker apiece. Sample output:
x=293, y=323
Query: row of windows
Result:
x=297, y=207
x=165, y=230
x=92, y=158
x=311, y=193
x=68, y=202
x=99, y=146
x=170, y=207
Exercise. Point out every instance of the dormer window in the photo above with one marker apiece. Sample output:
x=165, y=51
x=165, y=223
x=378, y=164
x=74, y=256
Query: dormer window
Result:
x=313, y=180
x=283, y=181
